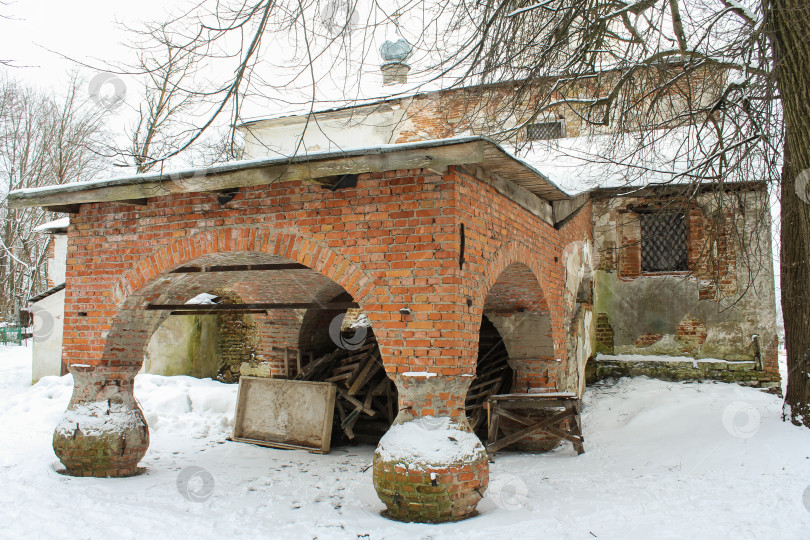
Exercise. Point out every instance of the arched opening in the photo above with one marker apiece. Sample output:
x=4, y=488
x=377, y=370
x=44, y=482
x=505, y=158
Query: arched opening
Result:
x=515, y=309
x=274, y=318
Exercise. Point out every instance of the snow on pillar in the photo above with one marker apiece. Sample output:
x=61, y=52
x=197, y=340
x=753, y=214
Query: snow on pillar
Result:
x=430, y=467
x=103, y=432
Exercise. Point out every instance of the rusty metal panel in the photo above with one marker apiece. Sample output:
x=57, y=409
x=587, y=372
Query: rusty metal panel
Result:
x=285, y=414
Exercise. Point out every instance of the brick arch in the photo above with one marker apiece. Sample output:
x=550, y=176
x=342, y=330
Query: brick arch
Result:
x=510, y=254
x=297, y=248
x=131, y=326
x=515, y=298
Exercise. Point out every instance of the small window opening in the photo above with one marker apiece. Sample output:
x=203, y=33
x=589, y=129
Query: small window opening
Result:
x=663, y=242
x=545, y=130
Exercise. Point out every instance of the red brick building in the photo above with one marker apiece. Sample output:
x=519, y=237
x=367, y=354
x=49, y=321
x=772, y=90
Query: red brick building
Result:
x=429, y=240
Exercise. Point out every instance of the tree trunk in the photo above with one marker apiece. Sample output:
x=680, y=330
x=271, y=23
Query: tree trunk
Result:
x=790, y=39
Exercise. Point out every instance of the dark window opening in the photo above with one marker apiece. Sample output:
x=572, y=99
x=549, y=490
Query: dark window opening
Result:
x=663, y=242
x=545, y=130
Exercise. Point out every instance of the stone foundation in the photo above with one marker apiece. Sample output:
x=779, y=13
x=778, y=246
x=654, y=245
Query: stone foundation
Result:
x=741, y=372
x=430, y=467
x=433, y=494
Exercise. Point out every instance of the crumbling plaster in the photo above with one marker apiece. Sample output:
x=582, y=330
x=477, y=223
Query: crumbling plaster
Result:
x=657, y=304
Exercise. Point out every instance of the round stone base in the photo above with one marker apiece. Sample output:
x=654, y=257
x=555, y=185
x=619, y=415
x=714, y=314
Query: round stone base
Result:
x=433, y=494
x=102, y=454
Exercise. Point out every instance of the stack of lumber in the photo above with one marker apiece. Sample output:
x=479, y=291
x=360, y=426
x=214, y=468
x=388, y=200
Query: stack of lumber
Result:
x=366, y=400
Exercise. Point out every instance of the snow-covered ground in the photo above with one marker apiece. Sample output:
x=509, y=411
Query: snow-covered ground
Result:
x=663, y=460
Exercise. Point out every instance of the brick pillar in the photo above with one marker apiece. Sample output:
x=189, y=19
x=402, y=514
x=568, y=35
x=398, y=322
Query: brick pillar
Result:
x=103, y=432
x=430, y=467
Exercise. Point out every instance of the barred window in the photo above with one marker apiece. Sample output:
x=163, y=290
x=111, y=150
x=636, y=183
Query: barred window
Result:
x=663, y=242
x=545, y=130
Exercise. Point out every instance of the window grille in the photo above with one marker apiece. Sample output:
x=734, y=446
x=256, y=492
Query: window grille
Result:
x=663, y=242
x=545, y=130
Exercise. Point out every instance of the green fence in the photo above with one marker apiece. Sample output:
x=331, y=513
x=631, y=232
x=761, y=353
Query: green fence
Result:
x=11, y=335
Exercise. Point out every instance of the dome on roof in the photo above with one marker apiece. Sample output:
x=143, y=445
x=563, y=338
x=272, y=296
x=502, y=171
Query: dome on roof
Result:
x=396, y=51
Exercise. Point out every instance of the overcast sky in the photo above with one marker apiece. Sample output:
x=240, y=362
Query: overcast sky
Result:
x=82, y=29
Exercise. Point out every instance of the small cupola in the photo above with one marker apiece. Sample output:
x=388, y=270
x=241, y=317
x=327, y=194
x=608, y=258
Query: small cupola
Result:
x=394, y=55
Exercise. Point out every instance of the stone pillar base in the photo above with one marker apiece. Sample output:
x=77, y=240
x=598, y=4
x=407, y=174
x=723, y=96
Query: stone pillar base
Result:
x=432, y=494
x=103, y=432
x=430, y=467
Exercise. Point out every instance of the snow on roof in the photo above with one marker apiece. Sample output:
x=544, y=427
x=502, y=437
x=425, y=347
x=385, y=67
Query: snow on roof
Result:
x=40, y=193
x=633, y=159
x=60, y=224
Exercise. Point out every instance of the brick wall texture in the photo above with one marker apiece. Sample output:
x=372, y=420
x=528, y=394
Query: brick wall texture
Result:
x=393, y=241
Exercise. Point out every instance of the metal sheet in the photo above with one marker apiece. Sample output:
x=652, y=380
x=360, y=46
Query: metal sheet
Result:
x=285, y=414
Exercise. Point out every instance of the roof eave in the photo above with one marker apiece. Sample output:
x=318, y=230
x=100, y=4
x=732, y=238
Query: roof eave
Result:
x=318, y=168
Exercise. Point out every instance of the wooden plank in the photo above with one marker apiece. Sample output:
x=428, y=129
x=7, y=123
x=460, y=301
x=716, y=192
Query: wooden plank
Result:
x=281, y=445
x=343, y=394
x=239, y=268
x=225, y=177
x=338, y=378
x=539, y=396
x=212, y=308
x=364, y=374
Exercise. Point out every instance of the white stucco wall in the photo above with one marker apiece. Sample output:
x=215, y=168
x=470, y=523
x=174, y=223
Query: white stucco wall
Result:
x=56, y=264
x=327, y=131
x=185, y=345
x=49, y=315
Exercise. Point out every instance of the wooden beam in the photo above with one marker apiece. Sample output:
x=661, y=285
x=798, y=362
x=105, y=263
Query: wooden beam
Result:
x=525, y=198
x=212, y=308
x=213, y=312
x=257, y=174
x=239, y=268
x=134, y=202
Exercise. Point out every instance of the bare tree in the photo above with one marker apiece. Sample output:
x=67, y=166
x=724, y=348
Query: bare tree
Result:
x=722, y=81
x=788, y=26
x=43, y=141
x=161, y=125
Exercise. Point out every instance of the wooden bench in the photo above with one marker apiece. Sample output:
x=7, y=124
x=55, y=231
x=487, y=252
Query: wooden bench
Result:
x=499, y=406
